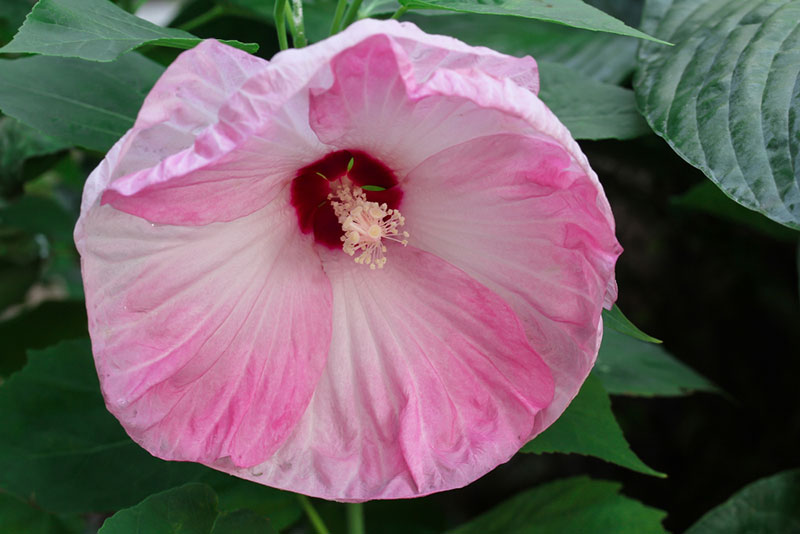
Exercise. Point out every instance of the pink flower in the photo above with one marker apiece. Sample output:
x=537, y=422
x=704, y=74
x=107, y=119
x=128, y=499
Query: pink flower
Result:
x=230, y=323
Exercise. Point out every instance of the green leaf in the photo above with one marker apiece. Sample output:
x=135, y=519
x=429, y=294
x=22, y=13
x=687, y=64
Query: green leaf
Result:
x=627, y=366
x=189, y=509
x=12, y=15
x=281, y=507
x=577, y=504
x=725, y=97
x=614, y=318
x=370, y=8
x=57, y=436
x=96, y=30
x=87, y=103
x=768, y=505
x=588, y=427
x=590, y=109
x=21, y=258
x=604, y=57
x=18, y=143
x=573, y=13
x=707, y=197
x=44, y=325
x=17, y=516
x=241, y=522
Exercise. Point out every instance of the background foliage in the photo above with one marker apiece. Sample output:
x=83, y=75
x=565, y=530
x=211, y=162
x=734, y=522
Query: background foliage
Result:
x=697, y=143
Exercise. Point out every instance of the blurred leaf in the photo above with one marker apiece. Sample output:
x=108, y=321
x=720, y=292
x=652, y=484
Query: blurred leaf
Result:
x=627, y=366
x=88, y=103
x=47, y=221
x=588, y=427
x=281, y=507
x=726, y=97
x=370, y=8
x=602, y=56
x=707, y=197
x=19, y=517
x=20, y=265
x=45, y=325
x=614, y=318
x=189, y=509
x=573, y=505
x=19, y=142
x=770, y=505
x=96, y=30
x=569, y=12
x=242, y=521
x=590, y=109
x=57, y=436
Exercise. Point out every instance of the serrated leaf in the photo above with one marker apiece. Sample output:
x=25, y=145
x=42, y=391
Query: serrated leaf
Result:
x=615, y=319
x=19, y=517
x=588, y=427
x=58, y=436
x=768, y=505
x=627, y=366
x=577, y=504
x=95, y=30
x=726, y=96
x=89, y=104
x=573, y=13
x=590, y=109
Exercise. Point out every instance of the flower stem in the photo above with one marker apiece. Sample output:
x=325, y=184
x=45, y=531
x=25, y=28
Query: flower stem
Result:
x=280, y=23
x=355, y=518
x=298, y=27
x=352, y=13
x=400, y=12
x=199, y=20
x=313, y=516
x=336, y=25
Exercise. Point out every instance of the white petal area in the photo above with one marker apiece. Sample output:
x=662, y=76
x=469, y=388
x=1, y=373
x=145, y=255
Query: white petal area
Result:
x=523, y=217
x=208, y=340
x=430, y=383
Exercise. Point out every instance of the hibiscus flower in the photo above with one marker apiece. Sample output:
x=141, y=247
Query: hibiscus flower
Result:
x=369, y=268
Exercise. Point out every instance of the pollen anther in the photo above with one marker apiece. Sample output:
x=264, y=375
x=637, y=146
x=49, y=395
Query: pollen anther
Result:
x=365, y=225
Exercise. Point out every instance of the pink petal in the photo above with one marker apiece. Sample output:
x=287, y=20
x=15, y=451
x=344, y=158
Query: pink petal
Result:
x=430, y=383
x=184, y=101
x=209, y=340
x=522, y=216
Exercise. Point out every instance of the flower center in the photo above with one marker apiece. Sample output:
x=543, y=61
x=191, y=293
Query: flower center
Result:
x=349, y=201
x=365, y=225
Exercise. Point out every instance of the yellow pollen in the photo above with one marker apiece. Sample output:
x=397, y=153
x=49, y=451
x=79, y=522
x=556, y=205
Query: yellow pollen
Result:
x=365, y=225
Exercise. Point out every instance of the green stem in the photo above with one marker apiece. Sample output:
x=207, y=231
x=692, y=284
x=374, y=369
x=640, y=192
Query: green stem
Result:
x=400, y=12
x=205, y=18
x=137, y=4
x=352, y=13
x=313, y=516
x=336, y=26
x=355, y=518
x=298, y=26
x=280, y=23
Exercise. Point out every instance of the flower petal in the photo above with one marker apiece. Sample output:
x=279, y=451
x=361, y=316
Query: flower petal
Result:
x=430, y=383
x=209, y=340
x=524, y=218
